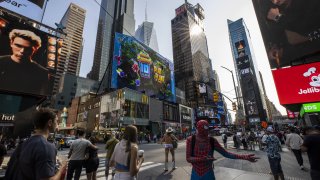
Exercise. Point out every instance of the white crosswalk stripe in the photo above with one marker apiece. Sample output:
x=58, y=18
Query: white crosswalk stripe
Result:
x=101, y=169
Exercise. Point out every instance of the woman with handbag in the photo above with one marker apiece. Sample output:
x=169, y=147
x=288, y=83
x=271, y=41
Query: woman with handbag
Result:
x=125, y=157
x=92, y=161
x=170, y=144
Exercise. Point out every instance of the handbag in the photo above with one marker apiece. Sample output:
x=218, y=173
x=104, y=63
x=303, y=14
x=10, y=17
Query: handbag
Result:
x=87, y=154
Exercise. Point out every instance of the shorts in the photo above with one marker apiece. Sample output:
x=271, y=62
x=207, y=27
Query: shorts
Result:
x=275, y=165
x=123, y=176
x=168, y=146
x=91, y=165
x=208, y=175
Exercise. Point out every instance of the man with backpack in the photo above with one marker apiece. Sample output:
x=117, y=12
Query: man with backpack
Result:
x=200, y=149
x=35, y=158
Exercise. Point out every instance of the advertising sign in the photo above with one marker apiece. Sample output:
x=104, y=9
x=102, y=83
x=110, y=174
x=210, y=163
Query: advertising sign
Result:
x=24, y=63
x=298, y=84
x=311, y=107
x=32, y=9
x=138, y=67
x=243, y=62
x=292, y=115
x=181, y=9
x=202, y=88
x=290, y=29
x=240, y=46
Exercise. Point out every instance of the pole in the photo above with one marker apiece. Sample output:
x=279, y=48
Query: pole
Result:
x=234, y=85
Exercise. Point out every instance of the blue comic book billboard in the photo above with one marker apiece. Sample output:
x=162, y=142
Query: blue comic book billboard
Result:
x=138, y=67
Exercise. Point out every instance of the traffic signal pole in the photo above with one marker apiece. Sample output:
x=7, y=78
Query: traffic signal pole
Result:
x=234, y=85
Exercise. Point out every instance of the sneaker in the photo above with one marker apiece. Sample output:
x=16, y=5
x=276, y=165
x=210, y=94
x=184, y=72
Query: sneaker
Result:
x=302, y=167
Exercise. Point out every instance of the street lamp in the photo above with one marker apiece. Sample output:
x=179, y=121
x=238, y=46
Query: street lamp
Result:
x=234, y=84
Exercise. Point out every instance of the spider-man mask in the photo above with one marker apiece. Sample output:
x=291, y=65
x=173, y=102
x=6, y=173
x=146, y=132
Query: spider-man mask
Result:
x=203, y=128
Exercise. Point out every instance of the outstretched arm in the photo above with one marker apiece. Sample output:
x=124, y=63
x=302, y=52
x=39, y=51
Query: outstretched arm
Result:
x=221, y=150
x=191, y=159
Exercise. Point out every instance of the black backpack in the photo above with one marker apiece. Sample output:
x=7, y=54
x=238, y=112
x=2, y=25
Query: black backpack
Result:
x=14, y=166
x=193, y=143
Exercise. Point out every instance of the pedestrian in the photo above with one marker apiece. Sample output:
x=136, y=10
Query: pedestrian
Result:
x=3, y=150
x=35, y=158
x=200, y=149
x=251, y=140
x=311, y=145
x=244, y=141
x=235, y=142
x=92, y=163
x=168, y=140
x=125, y=156
x=294, y=142
x=273, y=148
x=77, y=155
x=61, y=144
x=155, y=138
x=110, y=145
x=224, y=139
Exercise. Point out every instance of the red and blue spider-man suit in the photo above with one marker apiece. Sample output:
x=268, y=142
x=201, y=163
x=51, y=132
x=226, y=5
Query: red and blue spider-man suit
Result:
x=202, y=161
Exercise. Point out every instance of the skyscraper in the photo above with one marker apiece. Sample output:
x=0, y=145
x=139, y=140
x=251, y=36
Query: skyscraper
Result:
x=115, y=16
x=147, y=35
x=71, y=51
x=247, y=72
x=190, y=51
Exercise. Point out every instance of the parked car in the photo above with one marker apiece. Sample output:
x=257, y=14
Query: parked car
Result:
x=68, y=141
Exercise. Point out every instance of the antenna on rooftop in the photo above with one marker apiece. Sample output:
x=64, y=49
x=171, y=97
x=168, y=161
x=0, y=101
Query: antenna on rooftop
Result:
x=146, y=14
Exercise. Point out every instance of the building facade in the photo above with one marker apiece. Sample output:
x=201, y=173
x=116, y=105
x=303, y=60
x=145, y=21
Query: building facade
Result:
x=72, y=86
x=190, y=51
x=247, y=72
x=69, y=60
x=147, y=35
x=115, y=16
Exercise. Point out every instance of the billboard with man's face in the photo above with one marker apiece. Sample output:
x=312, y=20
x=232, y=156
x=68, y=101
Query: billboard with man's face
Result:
x=32, y=9
x=27, y=59
x=138, y=67
x=290, y=29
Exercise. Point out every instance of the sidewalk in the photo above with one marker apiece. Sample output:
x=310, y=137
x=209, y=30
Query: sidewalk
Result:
x=220, y=173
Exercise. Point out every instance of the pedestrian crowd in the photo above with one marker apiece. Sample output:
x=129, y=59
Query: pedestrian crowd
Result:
x=38, y=154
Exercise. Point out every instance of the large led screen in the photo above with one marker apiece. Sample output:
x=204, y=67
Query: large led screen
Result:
x=290, y=29
x=32, y=9
x=27, y=59
x=138, y=67
x=298, y=84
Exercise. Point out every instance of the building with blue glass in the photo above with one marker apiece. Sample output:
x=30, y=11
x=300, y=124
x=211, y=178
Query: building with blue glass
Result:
x=251, y=96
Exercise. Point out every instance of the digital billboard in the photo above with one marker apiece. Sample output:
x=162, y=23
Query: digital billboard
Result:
x=298, y=84
x=138, y=67
x=240, y=47
x=26, y=67
x=290, y=29
x=32, y=9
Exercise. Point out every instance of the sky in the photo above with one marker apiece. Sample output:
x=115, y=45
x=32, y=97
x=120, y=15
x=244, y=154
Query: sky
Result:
x=160, y=12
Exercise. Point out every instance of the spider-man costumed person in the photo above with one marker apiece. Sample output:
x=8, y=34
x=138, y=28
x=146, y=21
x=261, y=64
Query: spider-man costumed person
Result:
x=200, y=149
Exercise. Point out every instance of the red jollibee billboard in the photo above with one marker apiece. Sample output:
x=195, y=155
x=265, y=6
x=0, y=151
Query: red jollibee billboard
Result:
x=298, y=84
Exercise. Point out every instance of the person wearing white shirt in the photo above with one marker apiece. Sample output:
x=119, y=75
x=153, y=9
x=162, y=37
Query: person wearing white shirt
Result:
x=294, y=142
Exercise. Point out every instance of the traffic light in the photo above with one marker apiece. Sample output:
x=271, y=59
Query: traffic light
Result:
x=234, y=106
x=215, y=96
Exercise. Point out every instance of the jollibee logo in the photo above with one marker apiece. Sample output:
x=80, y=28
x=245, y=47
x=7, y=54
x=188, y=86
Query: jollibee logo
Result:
x=314, y=79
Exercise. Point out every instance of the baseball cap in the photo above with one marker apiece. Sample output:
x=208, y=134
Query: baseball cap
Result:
x=270, y=129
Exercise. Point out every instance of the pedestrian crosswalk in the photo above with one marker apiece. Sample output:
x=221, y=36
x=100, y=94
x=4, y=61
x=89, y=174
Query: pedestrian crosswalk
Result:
x=101, y=169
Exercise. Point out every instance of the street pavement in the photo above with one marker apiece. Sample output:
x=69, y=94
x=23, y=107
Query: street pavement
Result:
x=226, y=169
